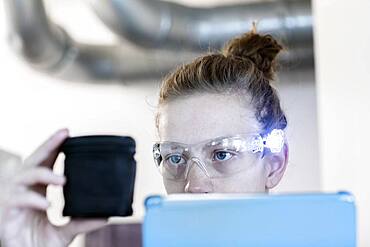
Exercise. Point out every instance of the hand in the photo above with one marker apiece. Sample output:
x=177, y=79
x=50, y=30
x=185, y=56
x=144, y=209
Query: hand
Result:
x=23, y=204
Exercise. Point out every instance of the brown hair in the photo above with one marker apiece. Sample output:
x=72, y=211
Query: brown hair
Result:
x=245, y=66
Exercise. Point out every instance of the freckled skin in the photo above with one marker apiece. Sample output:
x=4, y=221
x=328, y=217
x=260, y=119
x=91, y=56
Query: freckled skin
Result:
x=199, y=117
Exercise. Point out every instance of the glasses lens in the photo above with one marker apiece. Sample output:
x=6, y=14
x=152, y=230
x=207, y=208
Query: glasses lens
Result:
x=170, y=159
x=221, y=156
x=228, y=156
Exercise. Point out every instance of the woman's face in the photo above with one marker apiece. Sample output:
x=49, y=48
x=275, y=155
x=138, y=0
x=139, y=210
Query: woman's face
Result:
x=200, y=117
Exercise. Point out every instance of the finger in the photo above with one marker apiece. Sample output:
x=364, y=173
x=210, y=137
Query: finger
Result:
x=47, y=153
x=39, y=175
x=31, y=200
x=69, y=231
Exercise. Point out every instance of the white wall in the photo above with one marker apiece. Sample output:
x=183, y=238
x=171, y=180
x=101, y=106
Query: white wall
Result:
x=33, y=105
x=342, y=39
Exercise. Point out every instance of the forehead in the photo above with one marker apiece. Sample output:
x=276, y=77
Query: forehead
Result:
x=199, y=117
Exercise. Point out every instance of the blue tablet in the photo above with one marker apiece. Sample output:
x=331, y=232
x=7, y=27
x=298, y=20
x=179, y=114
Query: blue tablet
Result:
x=220, y=220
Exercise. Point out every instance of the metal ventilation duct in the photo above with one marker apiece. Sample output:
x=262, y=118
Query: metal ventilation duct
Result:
x=172, y=32
x=154, y=23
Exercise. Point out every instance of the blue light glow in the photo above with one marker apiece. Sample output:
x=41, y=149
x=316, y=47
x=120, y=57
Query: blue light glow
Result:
x=274, y=141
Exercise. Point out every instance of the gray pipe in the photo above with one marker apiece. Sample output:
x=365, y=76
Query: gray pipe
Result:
x=32, y=36
x=153, y=23
x=49, y=49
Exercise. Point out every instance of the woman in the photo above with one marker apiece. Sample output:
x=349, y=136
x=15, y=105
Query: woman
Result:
x=220, y=127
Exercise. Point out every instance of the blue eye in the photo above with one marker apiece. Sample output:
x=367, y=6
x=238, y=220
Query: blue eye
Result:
x=223, y=156
x=175, y=160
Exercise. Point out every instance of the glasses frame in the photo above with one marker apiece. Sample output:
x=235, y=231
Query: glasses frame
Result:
x=272, y=142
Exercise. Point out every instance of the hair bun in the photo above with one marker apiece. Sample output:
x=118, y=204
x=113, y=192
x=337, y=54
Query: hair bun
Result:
x=261, y=49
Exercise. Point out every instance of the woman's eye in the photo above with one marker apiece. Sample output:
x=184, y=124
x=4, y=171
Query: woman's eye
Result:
x=176, y=160
x=223, y=156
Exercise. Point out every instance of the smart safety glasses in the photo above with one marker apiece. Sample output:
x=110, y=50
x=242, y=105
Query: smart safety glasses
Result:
x=218, y=157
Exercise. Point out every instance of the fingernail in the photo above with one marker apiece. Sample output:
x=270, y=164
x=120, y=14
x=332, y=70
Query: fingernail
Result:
x=62, y=132
x=63, y=179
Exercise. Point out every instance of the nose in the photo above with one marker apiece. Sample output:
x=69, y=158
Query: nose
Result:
x=198, y=181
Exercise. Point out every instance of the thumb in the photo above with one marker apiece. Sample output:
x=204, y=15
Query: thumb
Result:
x=74, y=227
